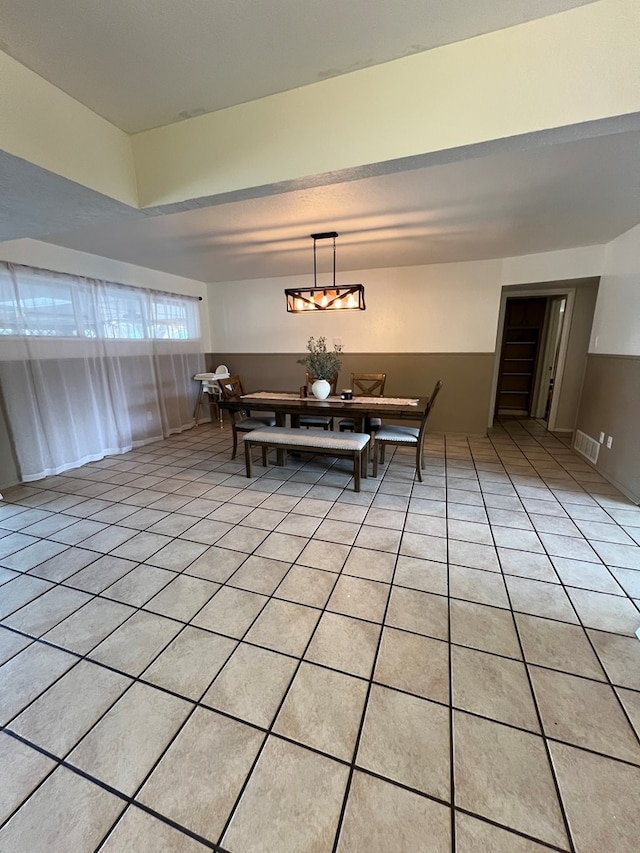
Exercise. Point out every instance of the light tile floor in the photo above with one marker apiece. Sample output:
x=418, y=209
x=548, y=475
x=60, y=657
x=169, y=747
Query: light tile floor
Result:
x=191, y=660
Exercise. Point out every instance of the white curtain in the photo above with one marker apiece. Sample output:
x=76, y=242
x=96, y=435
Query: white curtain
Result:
x=90, y=368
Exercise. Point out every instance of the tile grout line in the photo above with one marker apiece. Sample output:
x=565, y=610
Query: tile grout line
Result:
x=550, y=763
x=273, y=596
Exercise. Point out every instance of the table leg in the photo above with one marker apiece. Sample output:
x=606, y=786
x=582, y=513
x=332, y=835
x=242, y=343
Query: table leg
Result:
x=281, y=455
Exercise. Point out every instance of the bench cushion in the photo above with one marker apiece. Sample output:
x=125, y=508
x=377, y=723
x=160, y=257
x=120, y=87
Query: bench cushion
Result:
x=301, y=438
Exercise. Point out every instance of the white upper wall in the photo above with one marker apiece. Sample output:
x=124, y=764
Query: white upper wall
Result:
x=444, y=308
x=582, y=262
x=616, y=324
x=438, y=308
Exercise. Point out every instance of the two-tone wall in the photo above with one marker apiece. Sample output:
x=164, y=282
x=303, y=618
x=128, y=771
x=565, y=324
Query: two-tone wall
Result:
x=421, y=324
x=610, y=400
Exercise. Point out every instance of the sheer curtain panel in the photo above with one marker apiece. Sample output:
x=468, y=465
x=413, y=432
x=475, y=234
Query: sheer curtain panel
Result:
x=89, y=368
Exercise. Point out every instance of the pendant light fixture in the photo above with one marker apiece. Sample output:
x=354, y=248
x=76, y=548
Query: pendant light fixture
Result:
x=343, y=297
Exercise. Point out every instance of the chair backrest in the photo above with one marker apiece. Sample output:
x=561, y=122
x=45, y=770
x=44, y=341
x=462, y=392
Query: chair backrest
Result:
x=434, y=394
x=368, y=384
x=333, y=381
x=231, y=387
x=430, y=403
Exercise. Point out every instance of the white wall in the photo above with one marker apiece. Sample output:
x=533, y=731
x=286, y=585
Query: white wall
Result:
x=583, y=262
x=46, y=256
x=439, y=308
x=616, y=324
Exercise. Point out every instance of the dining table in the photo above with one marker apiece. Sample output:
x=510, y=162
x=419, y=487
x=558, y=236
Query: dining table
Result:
x=360, y=409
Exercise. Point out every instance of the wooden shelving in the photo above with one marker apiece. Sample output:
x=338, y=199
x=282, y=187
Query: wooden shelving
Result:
x=523, y=326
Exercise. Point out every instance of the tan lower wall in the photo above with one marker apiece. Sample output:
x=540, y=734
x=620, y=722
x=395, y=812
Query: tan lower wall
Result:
x=463, y=404
x=8, y=465
x=611, y=404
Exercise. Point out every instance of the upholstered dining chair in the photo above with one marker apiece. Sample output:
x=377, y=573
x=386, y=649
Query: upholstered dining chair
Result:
x=320, y=421
x=231, y=388
x=404, y=436
x=365, y=385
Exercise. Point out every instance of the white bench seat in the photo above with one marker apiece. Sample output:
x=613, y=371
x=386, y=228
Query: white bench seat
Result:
x=354, y=445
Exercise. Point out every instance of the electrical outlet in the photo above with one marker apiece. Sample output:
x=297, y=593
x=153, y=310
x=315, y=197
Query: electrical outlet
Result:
x=149, y=416
x=609, y=442
x=601, y=438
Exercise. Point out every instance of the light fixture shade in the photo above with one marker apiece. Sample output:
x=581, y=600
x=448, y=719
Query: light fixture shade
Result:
x=343, y=297
x=346, y=297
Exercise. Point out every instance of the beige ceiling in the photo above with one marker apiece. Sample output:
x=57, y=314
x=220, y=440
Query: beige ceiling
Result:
x=151, y=62
x=542, y=198
x=146, y=63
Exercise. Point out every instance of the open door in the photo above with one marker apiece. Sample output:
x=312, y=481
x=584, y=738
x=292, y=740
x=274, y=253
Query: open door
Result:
x=548, y=367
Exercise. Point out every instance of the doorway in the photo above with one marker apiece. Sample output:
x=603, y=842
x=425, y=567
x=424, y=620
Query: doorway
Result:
x=524, y=322
x=562, y=349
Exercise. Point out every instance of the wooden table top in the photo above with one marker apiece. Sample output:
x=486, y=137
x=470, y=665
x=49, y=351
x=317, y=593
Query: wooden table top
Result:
x=404, y=408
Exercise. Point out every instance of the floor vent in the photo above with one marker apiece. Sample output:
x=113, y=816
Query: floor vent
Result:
x=587, y=446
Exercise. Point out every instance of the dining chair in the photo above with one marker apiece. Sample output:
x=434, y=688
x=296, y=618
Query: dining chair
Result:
x=365, y=385
x=404, y=436
x=242, y=421
x=320, y=421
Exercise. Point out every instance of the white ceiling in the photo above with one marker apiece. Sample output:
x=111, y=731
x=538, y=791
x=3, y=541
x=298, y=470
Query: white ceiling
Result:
x=151, y=62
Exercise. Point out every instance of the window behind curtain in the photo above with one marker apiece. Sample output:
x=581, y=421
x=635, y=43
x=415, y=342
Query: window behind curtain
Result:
x=42, y=304
x=89, y=368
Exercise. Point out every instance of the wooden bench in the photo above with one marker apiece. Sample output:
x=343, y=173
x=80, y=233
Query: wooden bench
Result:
x=353, y=445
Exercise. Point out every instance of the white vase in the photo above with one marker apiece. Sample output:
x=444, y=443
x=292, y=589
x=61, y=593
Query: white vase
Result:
x=321, y=389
